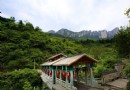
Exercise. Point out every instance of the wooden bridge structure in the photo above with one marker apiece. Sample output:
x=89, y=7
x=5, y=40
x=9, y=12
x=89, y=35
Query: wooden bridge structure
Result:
x=63, y=73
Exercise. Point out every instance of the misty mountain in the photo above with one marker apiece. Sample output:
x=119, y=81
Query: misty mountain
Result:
x=86, y=34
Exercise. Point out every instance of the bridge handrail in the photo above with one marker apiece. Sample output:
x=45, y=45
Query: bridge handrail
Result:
x=63, y=83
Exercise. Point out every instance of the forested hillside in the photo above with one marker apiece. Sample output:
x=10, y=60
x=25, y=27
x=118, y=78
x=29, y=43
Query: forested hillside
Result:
x=22, y=44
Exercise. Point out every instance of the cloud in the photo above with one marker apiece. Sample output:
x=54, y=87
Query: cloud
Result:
x=75, y=15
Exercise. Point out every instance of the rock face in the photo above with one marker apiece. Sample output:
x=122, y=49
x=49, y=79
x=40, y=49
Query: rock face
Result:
x=102, y=34
x=112, y=32
x=67, y=33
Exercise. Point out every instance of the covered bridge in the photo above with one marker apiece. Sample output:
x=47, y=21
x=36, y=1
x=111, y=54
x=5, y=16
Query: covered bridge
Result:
x=64, y=73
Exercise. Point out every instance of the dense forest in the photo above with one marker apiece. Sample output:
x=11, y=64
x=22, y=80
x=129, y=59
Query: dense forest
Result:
x=22, y=44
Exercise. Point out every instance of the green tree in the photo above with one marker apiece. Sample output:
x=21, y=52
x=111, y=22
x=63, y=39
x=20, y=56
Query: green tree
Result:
x=96, y=51
x=12, y=18
x=127, y=70
x=99, y=69
x=37, y=28
x=122, y=42
x=127, y=73
x=27, y=86
x=29, y=26
x=18, y=79
x=127, y=13
x=20, y=25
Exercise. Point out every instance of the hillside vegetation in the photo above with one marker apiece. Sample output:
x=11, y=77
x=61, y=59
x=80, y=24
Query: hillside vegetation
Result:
x=22, y=44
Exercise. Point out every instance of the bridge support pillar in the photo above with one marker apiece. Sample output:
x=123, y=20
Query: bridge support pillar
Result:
x=86, y=76
x=71, y=79
x=60, y=74
x=53, y=76
x=77, y=76
x=66, y=75
x=91, y=74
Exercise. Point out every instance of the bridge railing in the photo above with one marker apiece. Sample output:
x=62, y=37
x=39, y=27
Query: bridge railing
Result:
x=65, y=84
x=48, y=79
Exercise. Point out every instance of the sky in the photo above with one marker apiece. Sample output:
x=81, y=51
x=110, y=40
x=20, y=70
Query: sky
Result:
x=75, y=15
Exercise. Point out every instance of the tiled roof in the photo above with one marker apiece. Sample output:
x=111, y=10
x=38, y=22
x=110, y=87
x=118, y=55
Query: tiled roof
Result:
x=57, y=55
x=79, y=59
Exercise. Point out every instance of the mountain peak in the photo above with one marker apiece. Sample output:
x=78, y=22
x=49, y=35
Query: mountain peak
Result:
x=87, y=34
x=51, y=31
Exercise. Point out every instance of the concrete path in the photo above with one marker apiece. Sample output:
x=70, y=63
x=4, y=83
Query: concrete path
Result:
x=120, y=83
